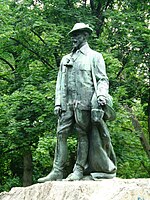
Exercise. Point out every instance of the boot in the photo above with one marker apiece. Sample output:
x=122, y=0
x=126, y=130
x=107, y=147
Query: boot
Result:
x=76, y=175
x=82, y=153
x=54, y=175
x=59, y=160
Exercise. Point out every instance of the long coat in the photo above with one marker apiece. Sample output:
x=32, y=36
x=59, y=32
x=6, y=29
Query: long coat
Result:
x=85, y=66
x=83, y=60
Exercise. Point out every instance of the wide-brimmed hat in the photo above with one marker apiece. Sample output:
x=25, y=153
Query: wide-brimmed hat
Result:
x=79, y=27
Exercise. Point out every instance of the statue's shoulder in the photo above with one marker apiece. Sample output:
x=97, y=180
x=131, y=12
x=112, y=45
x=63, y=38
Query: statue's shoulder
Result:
x=95, y=54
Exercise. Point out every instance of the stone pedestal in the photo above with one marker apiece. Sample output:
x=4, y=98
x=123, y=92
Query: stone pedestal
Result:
x=105, y=189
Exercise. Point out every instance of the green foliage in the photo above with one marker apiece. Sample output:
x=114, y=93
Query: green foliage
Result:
x=33, y=38
x=10, y=182
x=132, y=161
x=126, y=36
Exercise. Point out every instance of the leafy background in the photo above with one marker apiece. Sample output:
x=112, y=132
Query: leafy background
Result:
x=33, y=39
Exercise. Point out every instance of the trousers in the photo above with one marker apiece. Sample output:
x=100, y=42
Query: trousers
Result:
x=73, y=117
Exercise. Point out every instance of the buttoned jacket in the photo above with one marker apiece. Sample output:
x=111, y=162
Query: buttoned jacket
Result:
x=84, y=60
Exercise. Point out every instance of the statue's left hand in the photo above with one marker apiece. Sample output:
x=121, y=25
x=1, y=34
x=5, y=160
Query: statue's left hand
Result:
x=101, y=100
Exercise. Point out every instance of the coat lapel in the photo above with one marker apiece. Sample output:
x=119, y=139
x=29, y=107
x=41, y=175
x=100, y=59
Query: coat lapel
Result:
x=75, y=55
x=83, y=50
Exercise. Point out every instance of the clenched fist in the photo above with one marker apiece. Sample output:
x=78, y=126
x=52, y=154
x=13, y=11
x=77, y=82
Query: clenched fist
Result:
x=101, y=100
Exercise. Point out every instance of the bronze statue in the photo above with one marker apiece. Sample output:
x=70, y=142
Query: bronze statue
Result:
x=83, y=102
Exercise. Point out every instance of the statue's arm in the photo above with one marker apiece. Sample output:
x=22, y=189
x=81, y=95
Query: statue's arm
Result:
x=57, y=109
x=58, y=88
x=101, y=77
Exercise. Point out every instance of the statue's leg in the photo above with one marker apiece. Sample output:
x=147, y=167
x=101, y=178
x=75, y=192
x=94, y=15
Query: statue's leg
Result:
x=59, y=160
x=82, y=150
x=60, y=152
x=65, y=124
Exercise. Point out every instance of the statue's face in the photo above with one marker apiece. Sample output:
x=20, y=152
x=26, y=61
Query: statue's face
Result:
x=78, y=39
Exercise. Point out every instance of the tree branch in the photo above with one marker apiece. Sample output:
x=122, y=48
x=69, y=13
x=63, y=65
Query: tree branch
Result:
x=41, y=58
x=55, y=53
x=8, y=63
x=38, y=36
x=120, y=71
x=92, y=5
x=139, y=130
x=99, y=8
x=125, y=128
x=124, y=62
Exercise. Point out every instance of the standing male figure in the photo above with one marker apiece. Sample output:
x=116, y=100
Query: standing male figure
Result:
x=75, y=91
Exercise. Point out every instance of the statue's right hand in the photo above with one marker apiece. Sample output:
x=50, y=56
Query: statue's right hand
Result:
x=57, y=110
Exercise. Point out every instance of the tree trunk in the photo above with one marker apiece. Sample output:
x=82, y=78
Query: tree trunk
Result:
x=27, y=169
x=98, y=9
x=138, y=129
